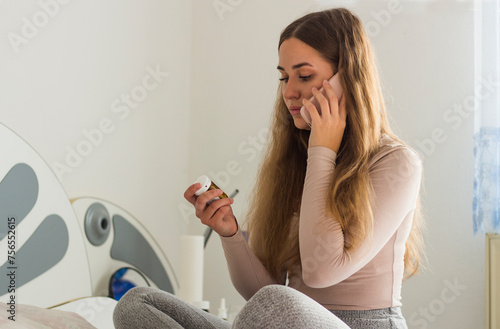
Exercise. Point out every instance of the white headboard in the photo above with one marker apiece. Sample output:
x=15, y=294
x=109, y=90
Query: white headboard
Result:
x=50, y=262
x=57, y=251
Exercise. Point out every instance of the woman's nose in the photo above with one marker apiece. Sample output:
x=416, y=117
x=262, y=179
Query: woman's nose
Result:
x=291, y=91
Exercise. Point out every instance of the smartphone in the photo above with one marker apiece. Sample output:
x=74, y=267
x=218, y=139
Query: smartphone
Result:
x=337, y=89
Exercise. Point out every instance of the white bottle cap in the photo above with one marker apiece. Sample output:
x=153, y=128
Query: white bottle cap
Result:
x=205, y=184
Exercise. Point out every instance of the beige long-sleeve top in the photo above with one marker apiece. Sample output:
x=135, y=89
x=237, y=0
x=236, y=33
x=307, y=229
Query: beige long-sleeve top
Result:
x=368, y=278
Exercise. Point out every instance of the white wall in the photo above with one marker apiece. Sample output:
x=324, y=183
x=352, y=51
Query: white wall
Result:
x=71, y=74
x=425, y=56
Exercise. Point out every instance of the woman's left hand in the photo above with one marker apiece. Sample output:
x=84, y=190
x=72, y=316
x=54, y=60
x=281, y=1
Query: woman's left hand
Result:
x=328, y=127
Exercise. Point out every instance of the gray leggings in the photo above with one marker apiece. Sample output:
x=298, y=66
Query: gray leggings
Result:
x=273, y=306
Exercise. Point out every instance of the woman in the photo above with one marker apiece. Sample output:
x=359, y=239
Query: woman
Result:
x=335, y=208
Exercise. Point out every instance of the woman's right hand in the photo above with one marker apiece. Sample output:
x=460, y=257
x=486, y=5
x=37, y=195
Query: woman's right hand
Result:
x=218, y=214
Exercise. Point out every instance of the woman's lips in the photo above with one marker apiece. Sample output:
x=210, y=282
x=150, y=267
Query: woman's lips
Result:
x=295, y=110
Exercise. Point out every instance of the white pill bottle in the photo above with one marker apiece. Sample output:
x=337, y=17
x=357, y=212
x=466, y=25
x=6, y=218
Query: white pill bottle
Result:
x=206, y=185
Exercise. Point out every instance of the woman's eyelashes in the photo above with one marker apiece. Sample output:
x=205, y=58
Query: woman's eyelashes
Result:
x=304, y=78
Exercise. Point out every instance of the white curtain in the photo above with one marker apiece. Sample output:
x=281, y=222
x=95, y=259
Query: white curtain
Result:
x=486, y=203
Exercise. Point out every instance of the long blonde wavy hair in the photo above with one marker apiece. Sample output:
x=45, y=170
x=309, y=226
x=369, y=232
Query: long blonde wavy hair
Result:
x=339, y=36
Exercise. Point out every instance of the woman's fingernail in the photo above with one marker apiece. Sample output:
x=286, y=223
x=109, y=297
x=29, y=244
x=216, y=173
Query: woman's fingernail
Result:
x=315, y=89
x=325, y=82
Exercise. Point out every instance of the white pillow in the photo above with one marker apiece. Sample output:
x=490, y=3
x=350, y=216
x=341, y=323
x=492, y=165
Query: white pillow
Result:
x=32, y=317
x=97, y=310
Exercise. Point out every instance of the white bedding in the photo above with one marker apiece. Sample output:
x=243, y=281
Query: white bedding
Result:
x=86, y=313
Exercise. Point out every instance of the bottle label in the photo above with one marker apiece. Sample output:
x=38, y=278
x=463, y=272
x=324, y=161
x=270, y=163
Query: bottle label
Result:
x=215, y=187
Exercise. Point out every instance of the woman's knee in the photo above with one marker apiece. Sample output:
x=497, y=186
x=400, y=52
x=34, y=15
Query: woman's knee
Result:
x=280, y=293
x=132, y=296
x=277, y=306
x=129, y=304
x=269, y=302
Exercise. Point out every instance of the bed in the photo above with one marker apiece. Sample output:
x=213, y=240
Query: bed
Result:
x=59, y=256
